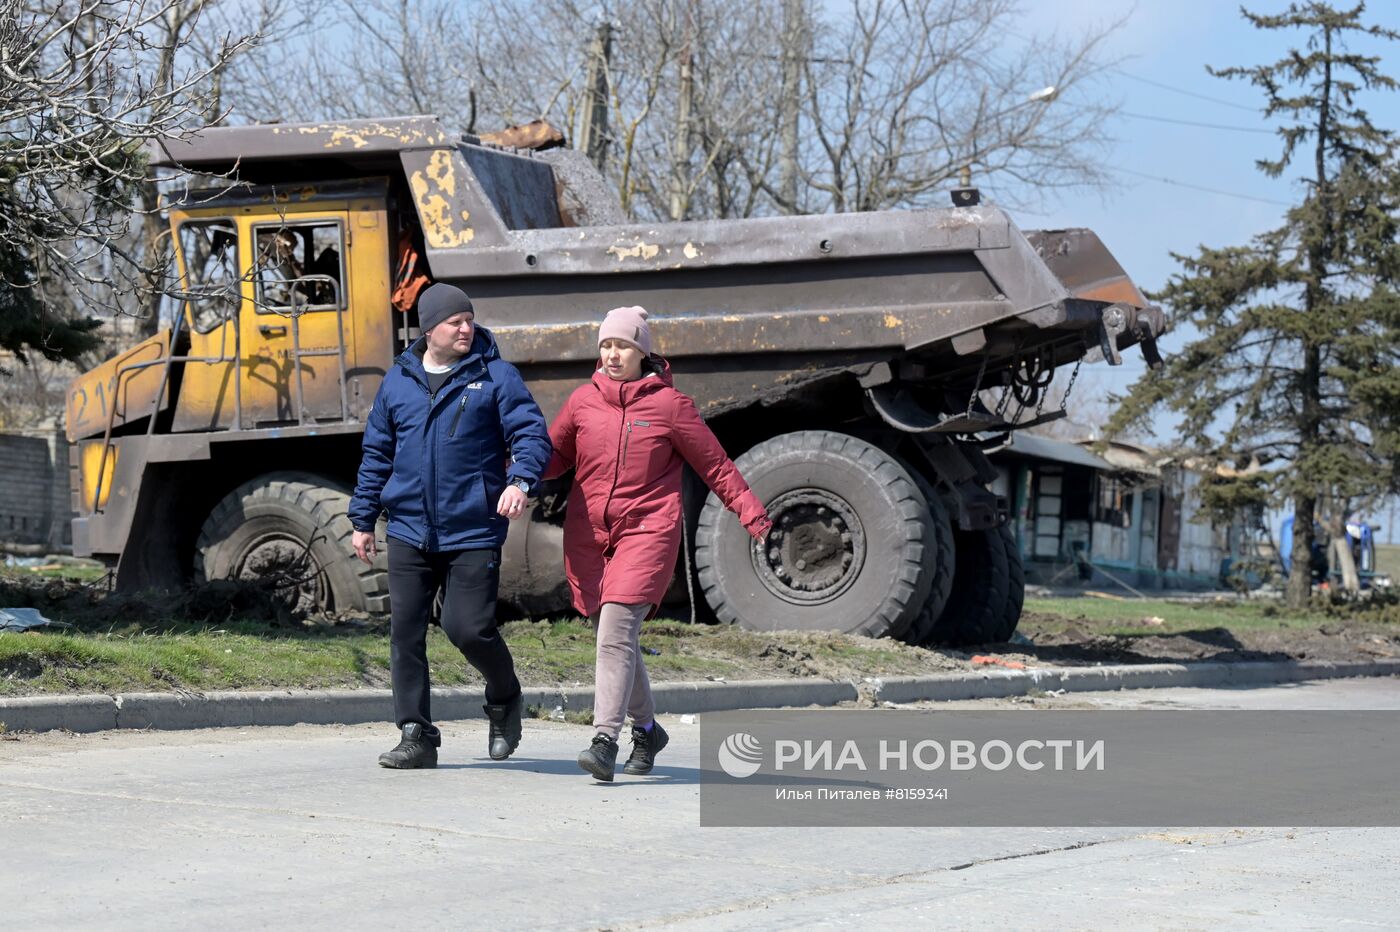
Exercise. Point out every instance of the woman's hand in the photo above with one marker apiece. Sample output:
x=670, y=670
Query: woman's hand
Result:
x=512, y=503
x=759, y=528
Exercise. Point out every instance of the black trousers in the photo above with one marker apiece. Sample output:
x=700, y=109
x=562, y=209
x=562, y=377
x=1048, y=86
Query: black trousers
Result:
x=469, y=579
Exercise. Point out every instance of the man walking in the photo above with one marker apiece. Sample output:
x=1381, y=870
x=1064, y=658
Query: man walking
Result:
x=452, y=446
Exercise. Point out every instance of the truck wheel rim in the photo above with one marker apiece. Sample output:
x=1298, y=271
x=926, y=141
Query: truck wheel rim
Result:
x=816, y=549
x=287, y=561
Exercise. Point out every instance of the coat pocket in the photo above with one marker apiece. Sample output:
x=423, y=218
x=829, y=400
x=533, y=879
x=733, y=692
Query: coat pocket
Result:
x=461, y=409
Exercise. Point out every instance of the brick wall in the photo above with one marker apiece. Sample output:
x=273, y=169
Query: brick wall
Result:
x=35, y=509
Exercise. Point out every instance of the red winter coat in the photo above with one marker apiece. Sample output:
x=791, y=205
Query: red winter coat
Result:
x=626, y=442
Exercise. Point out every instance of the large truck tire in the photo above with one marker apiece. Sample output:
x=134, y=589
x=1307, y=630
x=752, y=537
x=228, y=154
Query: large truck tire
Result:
x=292, y=526
x=846, y=553
x=977, y=608
x=940, y=561
x=1015, y=586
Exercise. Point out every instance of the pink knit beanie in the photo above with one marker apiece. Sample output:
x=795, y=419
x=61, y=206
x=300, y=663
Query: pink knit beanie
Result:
x=629, y=324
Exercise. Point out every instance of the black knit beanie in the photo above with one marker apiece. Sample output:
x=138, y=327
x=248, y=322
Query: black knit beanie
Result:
x=439, y=302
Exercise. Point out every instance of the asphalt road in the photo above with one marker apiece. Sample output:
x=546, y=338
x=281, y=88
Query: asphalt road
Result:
x=297, y=827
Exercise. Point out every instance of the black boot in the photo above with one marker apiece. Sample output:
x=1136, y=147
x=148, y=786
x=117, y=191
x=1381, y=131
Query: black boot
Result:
x=645, y=746
x=416, y=751
x=504, y=735
x=600, y=758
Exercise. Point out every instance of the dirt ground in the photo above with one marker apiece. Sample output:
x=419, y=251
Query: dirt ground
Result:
x=1084, y=641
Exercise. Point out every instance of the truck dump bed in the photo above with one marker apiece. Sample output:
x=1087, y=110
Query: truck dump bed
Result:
x=925, y=307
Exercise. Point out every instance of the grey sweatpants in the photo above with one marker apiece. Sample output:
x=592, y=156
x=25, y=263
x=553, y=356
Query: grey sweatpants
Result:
x=620, y=678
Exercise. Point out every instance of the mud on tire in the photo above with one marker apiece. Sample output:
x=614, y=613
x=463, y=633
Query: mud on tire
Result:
x=292, y=527
x=847, y=548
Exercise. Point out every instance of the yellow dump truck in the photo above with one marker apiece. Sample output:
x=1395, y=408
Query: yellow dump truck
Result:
x=844, y=360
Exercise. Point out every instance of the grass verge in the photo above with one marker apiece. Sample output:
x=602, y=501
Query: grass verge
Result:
x=255, y=655
x=212, y=639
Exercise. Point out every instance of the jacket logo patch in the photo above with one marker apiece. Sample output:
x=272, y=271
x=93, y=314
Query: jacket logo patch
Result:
x=476, y=386
x=641, y=423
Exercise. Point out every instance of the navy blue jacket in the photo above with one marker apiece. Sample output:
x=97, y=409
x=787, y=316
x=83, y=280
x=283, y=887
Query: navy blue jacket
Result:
x=438, y=464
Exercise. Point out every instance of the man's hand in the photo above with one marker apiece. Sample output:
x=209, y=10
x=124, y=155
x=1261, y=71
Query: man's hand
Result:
x=512, y=504
x=365, y=547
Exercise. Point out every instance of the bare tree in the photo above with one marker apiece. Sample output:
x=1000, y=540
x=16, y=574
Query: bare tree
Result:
x=194, y=35
x=729, y=108
x=904, y=95
x=85, y=84
x=33, y=393
x=877, y=107
x=390, y=57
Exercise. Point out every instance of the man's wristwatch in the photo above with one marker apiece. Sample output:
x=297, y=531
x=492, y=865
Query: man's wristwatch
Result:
x=522, y=485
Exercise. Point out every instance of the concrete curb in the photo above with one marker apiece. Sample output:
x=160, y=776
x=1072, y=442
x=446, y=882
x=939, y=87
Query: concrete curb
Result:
x=171, y=711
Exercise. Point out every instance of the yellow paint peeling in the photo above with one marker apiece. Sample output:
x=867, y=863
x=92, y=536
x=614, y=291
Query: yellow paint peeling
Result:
x=822, y=318
x=639, y=251
x=439, y=226
x=892, y=322
x=307, y=193
x=440, y=171
x=342, y=136
x=690, y=251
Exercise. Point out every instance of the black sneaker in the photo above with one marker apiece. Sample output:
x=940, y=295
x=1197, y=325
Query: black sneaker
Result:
x=416, y=751
x=645, y=746
x=600, y=758
x=504, y=734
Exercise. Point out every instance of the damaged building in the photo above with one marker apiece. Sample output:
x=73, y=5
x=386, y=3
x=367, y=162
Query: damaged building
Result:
x=1115, y=514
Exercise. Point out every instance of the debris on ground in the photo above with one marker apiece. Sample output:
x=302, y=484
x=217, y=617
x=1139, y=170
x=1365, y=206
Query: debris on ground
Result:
x=989, y=660
x=90, y=605
x=25, y=619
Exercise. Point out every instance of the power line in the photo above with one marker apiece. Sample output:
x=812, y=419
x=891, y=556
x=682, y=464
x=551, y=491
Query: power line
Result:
x=1157, y=119
x=1197, y=187
x=1184, y=91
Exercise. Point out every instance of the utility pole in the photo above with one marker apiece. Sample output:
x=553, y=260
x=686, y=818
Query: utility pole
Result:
x=681, y=147
x=794, y=50
x=593, y=134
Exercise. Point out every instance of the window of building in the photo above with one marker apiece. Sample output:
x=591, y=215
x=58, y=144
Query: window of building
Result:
x=1049, y=486
x=210, y=252
x=1114, y=502
x=299, y=267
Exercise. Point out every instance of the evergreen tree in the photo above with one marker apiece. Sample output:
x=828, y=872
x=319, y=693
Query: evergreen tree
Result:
x=1295, y=360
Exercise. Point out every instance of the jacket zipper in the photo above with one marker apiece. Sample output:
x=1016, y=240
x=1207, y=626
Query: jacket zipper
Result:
x=624, y=434
x=429, y=504
x=456, y=418
x=466, y=396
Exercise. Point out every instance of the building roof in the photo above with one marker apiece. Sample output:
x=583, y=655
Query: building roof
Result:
x=1058, y=451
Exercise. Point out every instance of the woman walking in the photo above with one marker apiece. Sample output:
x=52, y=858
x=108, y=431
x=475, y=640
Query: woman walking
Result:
x=626, y=434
